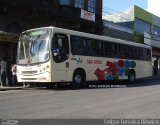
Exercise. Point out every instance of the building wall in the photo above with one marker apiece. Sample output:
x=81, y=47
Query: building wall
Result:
x=142, y=14
x=60, y=13
x=141, y=18
x=13, y=25
x=112, y=25
x=156, y=20
x=8, y=47
x=144, y=21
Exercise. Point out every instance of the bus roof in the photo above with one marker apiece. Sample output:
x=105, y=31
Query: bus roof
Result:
x=93, y=36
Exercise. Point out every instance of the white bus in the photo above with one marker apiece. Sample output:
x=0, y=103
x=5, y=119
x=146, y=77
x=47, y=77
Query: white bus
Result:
x=55, y=55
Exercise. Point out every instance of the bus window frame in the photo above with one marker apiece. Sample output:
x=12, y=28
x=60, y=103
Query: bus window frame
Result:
x=59, y=58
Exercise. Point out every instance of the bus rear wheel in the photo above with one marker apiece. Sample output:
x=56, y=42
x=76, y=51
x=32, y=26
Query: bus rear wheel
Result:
x=131, y=77
x=78, y=79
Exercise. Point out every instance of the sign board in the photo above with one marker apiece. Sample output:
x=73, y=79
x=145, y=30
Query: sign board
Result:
x=87, y=15
x=147, y=39
x=10, y=37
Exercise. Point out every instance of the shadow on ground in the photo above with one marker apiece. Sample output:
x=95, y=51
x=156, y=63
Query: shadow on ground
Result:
x=106, y=85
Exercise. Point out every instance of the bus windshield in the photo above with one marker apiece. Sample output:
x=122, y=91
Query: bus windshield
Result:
x=34, y=47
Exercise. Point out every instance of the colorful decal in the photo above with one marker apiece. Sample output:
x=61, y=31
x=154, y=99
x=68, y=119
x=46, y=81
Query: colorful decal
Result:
x=115, y=70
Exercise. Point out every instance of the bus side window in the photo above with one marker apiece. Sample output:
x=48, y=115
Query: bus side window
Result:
x=147, y=54
x=124, y=51
x=135, y=53
x=100, y=48
x=108, y=49
x=141, y=54
x=90, y=46
x=60, y=47
x=78, y=45
x=94, y=47
x=116, y=50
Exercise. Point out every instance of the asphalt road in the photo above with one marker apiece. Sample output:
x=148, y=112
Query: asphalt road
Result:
x=138, y=100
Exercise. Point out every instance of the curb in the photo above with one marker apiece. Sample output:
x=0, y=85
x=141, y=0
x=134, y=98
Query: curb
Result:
x=10, y=88
x=151, y=78
x=20, y=88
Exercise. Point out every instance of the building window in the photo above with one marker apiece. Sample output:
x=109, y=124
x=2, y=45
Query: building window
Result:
x=79, y=3
x=92, y=5
x=65, y=2
x=156, y=31
x=142, y=26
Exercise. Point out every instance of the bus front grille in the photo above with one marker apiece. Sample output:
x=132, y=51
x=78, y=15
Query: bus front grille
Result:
x=29, y=72
x=29, y=78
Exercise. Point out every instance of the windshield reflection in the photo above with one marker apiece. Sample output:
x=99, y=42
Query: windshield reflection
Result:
x=33, y=48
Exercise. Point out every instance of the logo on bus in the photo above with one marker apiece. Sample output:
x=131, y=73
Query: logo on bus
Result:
x=79, y=61
x=115, y=70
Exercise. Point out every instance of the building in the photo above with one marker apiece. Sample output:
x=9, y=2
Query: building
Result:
x=10, y=28
x=83, y=15
x=19, y=15
x=146, y=29
x=117, y=31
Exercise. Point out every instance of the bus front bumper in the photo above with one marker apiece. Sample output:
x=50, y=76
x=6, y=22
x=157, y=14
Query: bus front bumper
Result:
x=44, y=77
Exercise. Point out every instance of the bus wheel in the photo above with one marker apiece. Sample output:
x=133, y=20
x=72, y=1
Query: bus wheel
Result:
x=78, y=79
x=131, y=77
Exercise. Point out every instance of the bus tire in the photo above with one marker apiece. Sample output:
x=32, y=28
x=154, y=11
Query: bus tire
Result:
x=78, y=79
x=131, y=76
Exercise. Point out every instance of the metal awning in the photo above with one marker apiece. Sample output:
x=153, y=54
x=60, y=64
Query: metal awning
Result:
x=9, y=37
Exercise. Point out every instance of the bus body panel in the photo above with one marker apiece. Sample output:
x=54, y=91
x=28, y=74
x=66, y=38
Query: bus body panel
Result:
x=35, y=73
x=143, y=69
x=96, y=68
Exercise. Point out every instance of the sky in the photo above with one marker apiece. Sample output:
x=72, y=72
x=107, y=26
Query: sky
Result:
x=122, y=5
